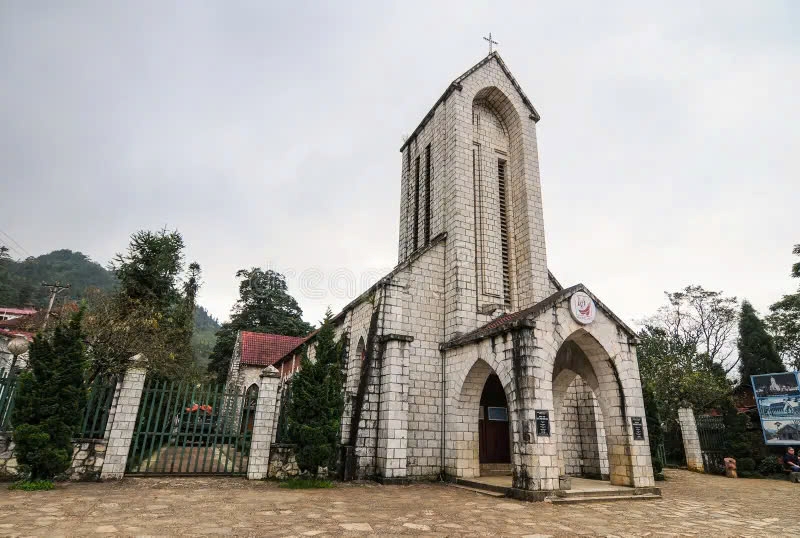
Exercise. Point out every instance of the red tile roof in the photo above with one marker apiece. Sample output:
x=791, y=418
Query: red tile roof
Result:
x=17, y=311
x=259, y=349
x=11, y=334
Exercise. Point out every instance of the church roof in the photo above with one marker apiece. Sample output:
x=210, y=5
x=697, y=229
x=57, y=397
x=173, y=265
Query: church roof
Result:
x=260, y=349
x=520, y=319
x=456, y=85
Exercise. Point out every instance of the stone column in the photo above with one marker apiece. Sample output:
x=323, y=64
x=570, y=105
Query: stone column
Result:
x=258, y=463
x=120, y=429
x=691, y=441
x=393, y=423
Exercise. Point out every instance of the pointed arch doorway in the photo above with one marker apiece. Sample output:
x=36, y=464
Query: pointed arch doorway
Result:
x=494, y=436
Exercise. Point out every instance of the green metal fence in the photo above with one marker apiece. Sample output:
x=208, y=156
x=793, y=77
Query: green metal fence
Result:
x=100, y=395
x=99, y=398
x=671, y=452
x=190, y=429
x=8, y=387
x=711, y=431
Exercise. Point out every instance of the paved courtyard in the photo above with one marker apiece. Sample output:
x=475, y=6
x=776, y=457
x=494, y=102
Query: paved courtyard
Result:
x=693, y=505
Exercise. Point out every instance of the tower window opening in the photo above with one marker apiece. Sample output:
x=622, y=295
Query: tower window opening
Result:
x=427, y=194
x=416, y=203
x=501, y=183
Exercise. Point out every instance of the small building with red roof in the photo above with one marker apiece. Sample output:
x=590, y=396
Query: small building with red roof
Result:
x=255, y=351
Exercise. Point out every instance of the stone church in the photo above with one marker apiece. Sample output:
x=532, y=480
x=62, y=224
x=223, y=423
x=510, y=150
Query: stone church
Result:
x=470, y=358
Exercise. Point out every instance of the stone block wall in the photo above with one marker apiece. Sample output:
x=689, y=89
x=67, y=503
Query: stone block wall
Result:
x=567, y=432
x=398, y=434
x=282, y=462
x=484, y=118
x=421, y=316
x=87, y=459
x=580, y=433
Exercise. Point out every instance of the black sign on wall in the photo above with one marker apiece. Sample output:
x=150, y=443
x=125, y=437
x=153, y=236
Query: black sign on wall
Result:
x=542, y=423
x=638, y=429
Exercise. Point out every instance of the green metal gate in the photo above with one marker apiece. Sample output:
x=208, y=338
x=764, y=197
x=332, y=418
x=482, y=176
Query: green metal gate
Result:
x=190, y=429
x=711, y=431
x=671, y=452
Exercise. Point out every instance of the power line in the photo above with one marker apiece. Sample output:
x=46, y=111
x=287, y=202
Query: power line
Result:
x=20, y=249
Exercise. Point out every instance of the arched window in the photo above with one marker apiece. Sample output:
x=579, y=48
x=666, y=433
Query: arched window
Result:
x=361, y=350
x=251, y=396
x=249, y=408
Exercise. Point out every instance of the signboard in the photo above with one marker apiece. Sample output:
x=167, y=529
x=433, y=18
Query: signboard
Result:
x=778, y=399
x=582, y=307
x=542, y=423
x=638, y=428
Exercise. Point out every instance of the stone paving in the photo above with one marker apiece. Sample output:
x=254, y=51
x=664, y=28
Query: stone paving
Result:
x=693, y=505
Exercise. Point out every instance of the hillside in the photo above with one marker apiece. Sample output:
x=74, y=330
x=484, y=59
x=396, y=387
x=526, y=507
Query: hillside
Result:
x=21, y=281
x=21, y=285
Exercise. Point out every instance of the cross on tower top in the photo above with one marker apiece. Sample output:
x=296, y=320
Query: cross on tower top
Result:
x=489, y=39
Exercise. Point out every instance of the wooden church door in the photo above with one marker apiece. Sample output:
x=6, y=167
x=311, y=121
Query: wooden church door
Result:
x=493, y=427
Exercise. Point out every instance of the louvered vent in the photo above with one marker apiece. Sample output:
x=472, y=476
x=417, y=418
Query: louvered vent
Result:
x=501, y=180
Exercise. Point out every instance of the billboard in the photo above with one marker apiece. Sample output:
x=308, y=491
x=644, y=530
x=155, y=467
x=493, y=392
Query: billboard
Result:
x=778, y=400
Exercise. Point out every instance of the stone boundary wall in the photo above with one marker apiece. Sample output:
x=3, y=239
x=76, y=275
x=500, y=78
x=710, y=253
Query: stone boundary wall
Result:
x=282, y=463
x=87, y=458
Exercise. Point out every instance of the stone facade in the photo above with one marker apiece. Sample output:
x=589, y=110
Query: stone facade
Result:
x=472, y=296
x=87, y=459
x=282, y=463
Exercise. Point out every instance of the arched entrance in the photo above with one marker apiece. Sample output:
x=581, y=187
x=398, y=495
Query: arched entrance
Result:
x=494, y=437
x=478, y=421
x=589, y=412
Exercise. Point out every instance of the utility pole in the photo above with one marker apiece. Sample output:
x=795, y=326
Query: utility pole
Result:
x=55, y=289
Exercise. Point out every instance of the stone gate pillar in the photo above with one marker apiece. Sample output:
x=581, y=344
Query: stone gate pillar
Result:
x=125, y=408
x=266, y=409
x=691, y=441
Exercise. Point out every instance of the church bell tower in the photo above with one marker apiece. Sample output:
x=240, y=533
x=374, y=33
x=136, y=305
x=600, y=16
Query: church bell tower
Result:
x=470, y=178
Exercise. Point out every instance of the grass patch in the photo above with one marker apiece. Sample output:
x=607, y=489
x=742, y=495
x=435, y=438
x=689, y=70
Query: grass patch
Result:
x=305, y=483
x=32, y=485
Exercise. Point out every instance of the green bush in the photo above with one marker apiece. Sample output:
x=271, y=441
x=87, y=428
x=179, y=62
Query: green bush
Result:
x=746, y=465
x=769, y=466
x=750, y=474
x=658, y=466
x=38, y=452
x=50, y=401
x=315, y=410
x=32, y=485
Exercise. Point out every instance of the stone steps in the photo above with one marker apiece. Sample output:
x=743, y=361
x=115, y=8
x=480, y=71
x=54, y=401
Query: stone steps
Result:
x=593, y=497
x=502, y=490
x=571, y=494
x=495, y=469
x=481, y=491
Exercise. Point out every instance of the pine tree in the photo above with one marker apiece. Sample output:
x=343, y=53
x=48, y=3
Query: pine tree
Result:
x=757, y=353
x=264, y=306
x=50, y=401
x=315, y=411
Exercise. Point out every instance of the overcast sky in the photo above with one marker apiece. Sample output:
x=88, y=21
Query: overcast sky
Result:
x=268, y=134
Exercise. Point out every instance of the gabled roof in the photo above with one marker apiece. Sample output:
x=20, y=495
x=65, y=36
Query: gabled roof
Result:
x=456, y=85
x=10, y=333
x=521, y=318
x=260, y=349
x=4, y=310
